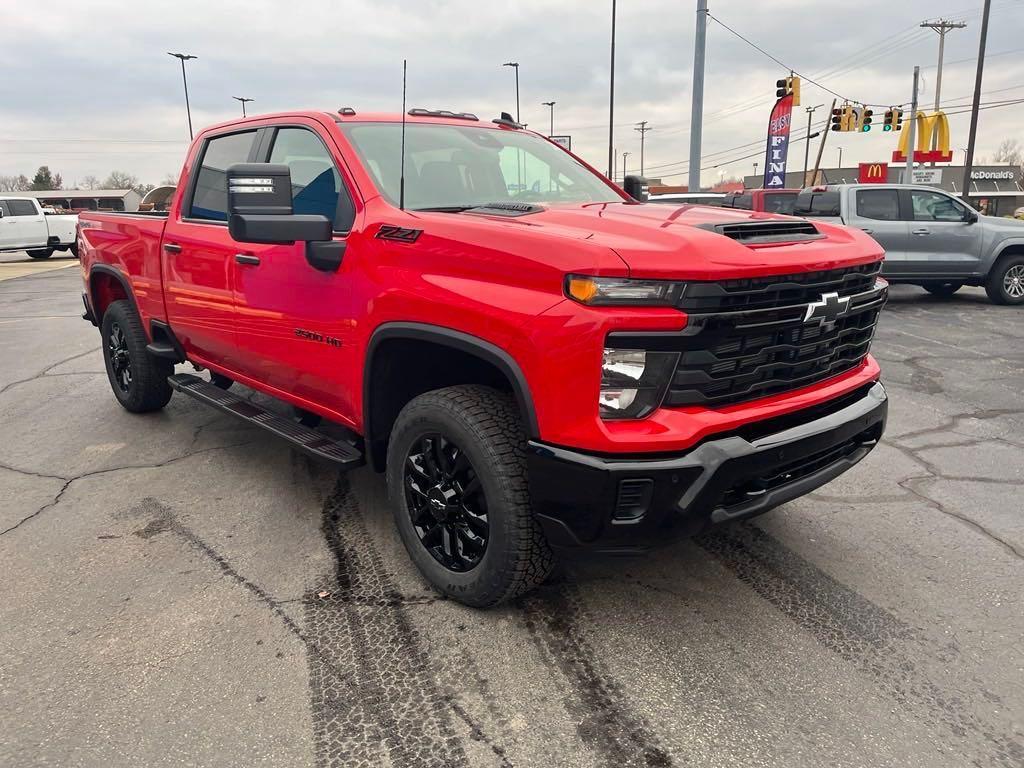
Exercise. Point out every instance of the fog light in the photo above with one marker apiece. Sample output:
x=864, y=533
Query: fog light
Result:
x=633, y=381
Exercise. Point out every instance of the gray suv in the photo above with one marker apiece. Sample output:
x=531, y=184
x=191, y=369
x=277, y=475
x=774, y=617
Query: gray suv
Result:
x=930, y=238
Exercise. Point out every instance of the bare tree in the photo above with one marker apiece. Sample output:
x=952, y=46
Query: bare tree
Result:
x=90, y=182
x=120, y=180
x=14, y=183
x=1009, y=151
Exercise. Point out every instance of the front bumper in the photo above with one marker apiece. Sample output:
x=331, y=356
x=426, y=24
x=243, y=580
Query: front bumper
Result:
x=632, y=504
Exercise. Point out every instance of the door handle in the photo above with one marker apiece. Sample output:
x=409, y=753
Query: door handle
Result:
x=920, y=232
x=245, y=258
x=172, y=248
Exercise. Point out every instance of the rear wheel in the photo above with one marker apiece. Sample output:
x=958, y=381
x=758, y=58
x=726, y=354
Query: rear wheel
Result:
x=40, y=253
x=942, y=290
x=138, y=379
x=1005, y=284
x=457, y=480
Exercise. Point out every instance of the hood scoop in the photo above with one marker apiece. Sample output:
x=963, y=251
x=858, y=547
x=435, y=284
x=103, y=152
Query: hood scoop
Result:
x=507, y=209
x=766, y=232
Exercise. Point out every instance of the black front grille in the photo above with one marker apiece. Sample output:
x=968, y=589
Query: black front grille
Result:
x=776, y=290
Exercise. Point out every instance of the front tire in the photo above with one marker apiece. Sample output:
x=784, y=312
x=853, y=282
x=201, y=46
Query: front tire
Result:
x=40, y=253
x=456, y=474
x=138, y=379
x=942, y=290
x=1005, y=283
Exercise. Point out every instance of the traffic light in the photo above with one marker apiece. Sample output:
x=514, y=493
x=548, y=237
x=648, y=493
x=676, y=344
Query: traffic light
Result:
x=865, y=120
x=837, y=120
x=845, y=118
x=788, y=86
x=893, y=119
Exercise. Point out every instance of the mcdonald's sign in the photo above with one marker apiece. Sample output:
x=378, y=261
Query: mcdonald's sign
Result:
x=927, y=126
x=873, y=173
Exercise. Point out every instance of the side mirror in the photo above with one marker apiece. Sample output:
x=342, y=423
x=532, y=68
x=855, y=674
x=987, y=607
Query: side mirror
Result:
x=636, y=187
x=1, y=213
x=971, y=217
x=260, y=211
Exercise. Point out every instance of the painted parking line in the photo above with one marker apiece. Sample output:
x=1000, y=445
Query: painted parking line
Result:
x=10, y=271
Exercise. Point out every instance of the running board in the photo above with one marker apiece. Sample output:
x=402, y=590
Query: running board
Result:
x=310, y=441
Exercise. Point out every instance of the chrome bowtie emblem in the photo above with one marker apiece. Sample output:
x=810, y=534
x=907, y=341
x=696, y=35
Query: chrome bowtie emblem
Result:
x=826, y=310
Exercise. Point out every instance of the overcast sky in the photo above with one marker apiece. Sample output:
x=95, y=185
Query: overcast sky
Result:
x=87, y=87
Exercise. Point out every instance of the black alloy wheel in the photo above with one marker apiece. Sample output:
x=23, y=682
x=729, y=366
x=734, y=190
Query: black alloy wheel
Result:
x=120, y=358
x=446, y=502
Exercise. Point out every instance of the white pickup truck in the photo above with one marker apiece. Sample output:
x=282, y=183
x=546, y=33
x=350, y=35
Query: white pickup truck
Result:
x=27, y=226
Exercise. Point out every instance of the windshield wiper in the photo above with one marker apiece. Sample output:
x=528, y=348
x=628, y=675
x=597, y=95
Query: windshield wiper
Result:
x=447, y=208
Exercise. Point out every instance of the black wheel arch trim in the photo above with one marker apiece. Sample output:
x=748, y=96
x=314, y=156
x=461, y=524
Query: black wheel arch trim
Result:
x=463, y=342
x=106, y=269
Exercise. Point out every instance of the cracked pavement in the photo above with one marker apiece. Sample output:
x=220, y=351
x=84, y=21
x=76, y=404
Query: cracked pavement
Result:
x=180, y=589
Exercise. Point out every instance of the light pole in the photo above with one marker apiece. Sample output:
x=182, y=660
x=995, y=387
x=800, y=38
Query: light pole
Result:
x=611, y=104
x=973, y=131
x=840, y=156
x=515, y=66
x=807, y=140
x=759, y=184
x=550, y=105
x=243, y=100
x=624, y=156
x=185, y=57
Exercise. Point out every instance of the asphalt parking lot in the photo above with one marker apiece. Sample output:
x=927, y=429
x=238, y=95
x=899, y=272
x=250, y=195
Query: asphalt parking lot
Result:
x=178, y=589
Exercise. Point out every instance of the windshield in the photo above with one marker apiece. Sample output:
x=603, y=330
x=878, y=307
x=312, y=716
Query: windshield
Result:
x=452, y=166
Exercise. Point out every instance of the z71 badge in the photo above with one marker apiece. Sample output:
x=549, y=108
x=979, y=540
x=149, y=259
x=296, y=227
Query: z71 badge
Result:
x=314, y=336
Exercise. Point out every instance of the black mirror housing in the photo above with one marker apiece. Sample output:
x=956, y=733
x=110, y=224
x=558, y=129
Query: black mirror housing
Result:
x=278, y=229
x=259, y=188
x=636, y=187
x=971, y=217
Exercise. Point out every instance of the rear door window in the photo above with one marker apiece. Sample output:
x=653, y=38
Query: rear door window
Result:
x=817, y=203
x=22, y=208
x=210, y=194
x=779, y=202
x=881, y=204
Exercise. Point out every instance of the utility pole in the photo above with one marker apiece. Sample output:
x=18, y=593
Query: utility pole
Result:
x=821, y=149
x=611, y=105
x=642, y=129
x=807, y=139
x=550, y=105
x=969, y=160
x=908, y=176
x=243, y=100
x=697, y=104
x=624, y=156
x=185, y=57
x=515, y=66
x=942, y=26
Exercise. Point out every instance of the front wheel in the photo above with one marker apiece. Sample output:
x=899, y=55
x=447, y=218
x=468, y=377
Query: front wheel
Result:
x=138, y=379
x=40, y=253
x=1005, y=284
x=456, y=474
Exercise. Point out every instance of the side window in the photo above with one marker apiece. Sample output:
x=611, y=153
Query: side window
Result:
x=210, y=196
x=317, y=187
x=744, y=201
x=22, y=208
x=881, y=204
x=779, y=202
x=932, y=206
x=4, y=208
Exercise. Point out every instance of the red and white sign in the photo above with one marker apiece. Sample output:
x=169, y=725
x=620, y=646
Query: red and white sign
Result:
x=873, y=173
x=778, y=143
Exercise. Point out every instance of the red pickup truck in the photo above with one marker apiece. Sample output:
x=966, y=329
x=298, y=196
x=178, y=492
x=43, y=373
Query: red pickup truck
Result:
x=535, y=359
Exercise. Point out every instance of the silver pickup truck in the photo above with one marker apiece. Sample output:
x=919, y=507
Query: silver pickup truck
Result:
x=930, y=238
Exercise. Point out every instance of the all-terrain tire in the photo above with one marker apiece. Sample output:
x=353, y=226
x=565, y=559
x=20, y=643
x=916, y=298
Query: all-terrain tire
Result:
x=1005, y=283
x=484, y=424
x=138, y=379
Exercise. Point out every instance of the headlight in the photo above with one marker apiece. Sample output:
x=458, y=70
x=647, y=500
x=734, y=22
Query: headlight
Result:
x=633, y=381
x=622, y=291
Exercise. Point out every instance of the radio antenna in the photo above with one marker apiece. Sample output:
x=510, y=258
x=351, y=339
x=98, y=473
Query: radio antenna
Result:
x=401, y=177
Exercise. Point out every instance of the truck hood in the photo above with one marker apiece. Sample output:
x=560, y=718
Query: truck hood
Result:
x=666, y=241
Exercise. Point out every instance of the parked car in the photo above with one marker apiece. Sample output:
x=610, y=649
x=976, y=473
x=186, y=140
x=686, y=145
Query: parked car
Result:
x=765, y=200
x=533, y=366
x=25, y=226
x=931, y=238
x=688, y=198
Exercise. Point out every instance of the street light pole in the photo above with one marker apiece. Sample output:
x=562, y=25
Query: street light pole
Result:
x=185, y=57
x=624, y=156
x=611, y=105
x=840, y=156
x=969, y=160
x=697, y=102
x=243, y=100
x=515, y=66
x=550, y=105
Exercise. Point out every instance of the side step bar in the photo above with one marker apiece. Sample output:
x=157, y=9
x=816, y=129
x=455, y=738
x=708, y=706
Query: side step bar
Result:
x=310, y=441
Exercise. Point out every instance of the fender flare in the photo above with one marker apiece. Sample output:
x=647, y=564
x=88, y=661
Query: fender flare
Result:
x=463, y=342
x=119, y=276
x=1003, y=245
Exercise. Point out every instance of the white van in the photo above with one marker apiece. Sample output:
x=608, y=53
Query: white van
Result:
x=26, y=226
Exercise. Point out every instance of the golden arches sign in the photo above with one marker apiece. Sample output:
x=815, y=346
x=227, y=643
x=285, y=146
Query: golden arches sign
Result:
x=935, y=124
